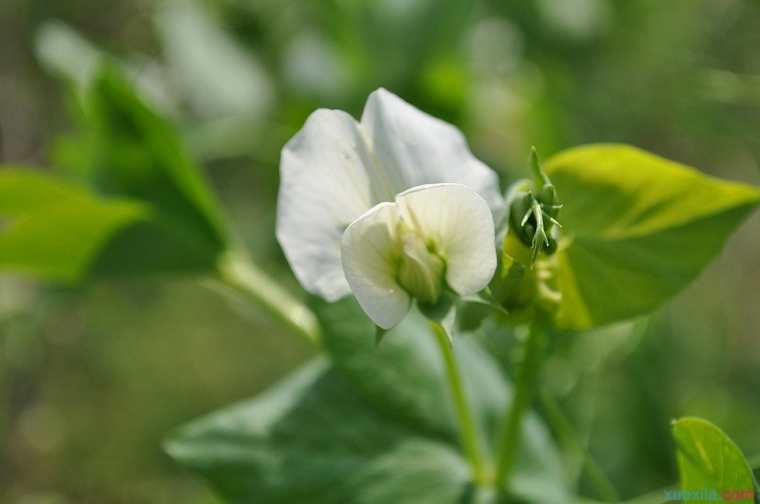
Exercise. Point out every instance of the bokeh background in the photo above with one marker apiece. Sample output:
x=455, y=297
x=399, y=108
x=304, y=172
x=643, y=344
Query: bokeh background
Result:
x=93, y=377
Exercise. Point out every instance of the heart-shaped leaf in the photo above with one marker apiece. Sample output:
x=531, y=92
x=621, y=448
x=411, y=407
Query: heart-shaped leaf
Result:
x=638, y=228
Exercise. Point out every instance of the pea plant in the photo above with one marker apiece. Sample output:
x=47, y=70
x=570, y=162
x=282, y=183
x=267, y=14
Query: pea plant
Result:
x=413, y=257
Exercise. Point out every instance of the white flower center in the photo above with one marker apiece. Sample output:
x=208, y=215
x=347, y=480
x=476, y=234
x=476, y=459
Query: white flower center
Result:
x=420, y=269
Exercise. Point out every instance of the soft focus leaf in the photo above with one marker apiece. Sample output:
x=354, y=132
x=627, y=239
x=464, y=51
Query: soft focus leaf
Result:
x=383, y=30
x=63, y=51
x=639, y=228
x=376, y=426
x=213, y=71
x=404, y=378
x=55, y=230
x=709, y=460
x=312, y=439
x=133, y=152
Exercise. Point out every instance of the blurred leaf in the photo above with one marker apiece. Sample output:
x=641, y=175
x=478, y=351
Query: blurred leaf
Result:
x=377, y=426
x=639, y=229
x=64, y=52
x=312, y=439
x=404, y=378
x=132, y=152
x=214, y=72
x=709, y=460
x=55, y=230
x=405, y=36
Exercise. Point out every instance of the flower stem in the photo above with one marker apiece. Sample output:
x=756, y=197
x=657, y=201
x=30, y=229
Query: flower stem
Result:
x=525, y=385
x=467, y=430
x=238, y=273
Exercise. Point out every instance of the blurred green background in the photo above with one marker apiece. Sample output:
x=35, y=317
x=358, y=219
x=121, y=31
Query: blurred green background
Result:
x=92, y=378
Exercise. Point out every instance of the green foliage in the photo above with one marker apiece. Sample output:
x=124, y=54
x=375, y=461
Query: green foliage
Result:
x=379, y=419
x=153, y=214
x=135, y=153
x=509, y=73
x=311, y=438
x=638, y=228
x=54, y=229
x=709, y=460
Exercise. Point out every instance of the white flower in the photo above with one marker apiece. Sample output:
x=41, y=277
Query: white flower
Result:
x=431, y=234
x=400, y=179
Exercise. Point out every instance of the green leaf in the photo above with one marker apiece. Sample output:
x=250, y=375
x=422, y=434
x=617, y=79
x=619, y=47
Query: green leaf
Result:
x=53, y=229
x=153, y=212
x=404, y=378
x=132, y=152
x=312, y=439
x=638, y=228
x=708, y=460
x=376, y=426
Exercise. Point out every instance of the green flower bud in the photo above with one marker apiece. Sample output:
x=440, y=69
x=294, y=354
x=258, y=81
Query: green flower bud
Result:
x=523, y=282
x=547, y=196
x=520, y=207
x=533, y=211
x=421, y=269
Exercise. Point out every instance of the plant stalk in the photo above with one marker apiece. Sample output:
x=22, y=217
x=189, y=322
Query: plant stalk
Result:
x=238, y=273
x=526, y=384
x=467, y=429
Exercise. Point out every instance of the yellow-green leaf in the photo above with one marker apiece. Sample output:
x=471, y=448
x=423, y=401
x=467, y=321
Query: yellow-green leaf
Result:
x=710, y=464
x=53, y=229
x=637, y=229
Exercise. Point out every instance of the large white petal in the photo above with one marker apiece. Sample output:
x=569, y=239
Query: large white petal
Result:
x=324, y=186
x=459, y=223
x=413, y=148
x=369, y=250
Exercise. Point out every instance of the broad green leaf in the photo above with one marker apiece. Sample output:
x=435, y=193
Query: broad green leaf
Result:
x=384, y=433
x=709, y=461
x=53, y=229
x=638, y=229
x=312, y=439
x=404, y=378
x=132, y=152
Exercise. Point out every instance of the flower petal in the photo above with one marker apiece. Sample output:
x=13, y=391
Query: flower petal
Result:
x=369, y=253
x=324, y=186
x=459, y=223
x=413, y=148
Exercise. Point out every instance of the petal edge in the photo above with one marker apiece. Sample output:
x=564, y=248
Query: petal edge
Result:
x=368, y=253
x=324, y=185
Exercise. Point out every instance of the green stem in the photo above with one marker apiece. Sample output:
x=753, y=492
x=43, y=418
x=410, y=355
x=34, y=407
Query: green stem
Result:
x=567, y=434
x=238, y=273
x=467, y=429
x=525, y=385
